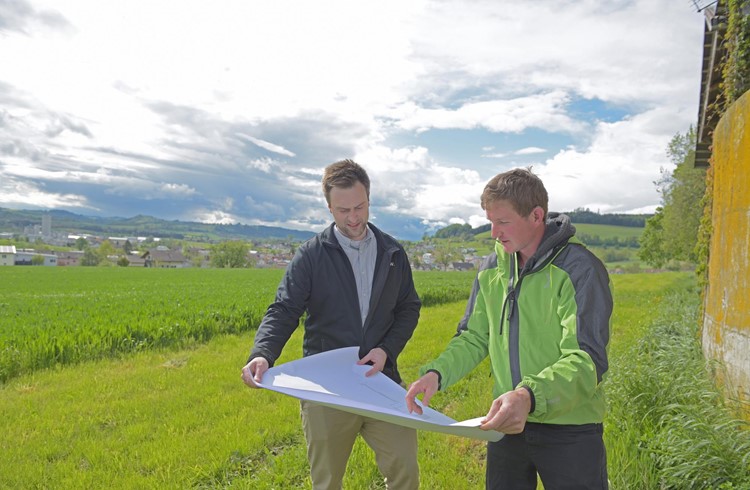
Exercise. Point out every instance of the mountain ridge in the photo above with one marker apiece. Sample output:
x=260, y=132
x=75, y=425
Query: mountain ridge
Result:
x=15, y=220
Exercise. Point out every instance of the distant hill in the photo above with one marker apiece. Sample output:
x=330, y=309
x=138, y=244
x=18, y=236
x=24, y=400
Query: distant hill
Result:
x=577, y=217
x=14, y=221
x=630, y=220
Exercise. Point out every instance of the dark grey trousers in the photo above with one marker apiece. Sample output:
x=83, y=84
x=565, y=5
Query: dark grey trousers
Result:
x=564, y=456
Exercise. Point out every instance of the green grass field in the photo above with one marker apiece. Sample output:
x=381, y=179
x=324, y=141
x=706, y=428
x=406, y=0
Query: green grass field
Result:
x=608, y=231
x=178, y=416
x=64, y=315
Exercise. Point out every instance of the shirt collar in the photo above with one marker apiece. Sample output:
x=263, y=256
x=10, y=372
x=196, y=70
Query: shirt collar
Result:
x=345, y=240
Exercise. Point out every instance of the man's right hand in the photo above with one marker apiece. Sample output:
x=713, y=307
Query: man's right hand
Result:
x=253, y=371
x=427, y=385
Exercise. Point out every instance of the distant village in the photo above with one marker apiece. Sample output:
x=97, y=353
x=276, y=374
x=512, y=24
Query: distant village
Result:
x=48, y=247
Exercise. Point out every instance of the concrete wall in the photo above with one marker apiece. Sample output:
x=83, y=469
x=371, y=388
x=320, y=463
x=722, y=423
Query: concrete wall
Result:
x=726, y=324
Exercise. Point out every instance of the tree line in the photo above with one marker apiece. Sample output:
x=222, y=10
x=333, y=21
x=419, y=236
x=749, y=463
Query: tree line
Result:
x=671, y=234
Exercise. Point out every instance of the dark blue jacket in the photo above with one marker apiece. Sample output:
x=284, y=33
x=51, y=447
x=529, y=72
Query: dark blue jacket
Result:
x=320, y=282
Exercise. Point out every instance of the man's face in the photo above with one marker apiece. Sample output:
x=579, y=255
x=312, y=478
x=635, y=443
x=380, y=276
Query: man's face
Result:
x=516, y=233
x=350, y=208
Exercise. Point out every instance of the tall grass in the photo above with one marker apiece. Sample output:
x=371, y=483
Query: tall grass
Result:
x=181, y=418
x=668, y=424
x=442, y=287
x=65, y=315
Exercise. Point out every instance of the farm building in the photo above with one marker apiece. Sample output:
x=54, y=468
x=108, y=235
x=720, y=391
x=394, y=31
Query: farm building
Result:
x=28, y=257
x=165, y=259
x=69, y=258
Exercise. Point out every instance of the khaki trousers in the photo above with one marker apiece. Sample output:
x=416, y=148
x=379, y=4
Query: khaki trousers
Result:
x=331, y=433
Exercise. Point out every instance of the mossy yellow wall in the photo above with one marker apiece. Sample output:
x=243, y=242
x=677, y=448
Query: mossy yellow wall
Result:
x=726, y=324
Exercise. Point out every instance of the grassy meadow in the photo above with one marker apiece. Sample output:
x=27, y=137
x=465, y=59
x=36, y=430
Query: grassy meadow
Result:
x=608, y=231
x=58, y=316
x=172, y=413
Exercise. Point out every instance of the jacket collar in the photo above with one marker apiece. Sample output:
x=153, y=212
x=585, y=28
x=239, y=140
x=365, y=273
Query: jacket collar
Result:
x=558, y=232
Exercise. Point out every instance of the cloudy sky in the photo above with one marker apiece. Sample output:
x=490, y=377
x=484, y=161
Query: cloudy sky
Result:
x=228, y=111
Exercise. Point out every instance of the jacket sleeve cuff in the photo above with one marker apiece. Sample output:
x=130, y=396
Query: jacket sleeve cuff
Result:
x=533, y=398
x=440, y=377
x=388, y=353
x=264, y=356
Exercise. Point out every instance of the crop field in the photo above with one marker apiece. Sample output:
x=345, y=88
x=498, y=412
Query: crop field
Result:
x=64, y=315
x=137, y=385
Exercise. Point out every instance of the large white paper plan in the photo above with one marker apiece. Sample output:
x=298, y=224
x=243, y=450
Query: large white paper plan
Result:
x=334, y=379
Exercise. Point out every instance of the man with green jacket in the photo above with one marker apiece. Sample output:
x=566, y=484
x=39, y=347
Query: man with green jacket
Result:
x=540, y=308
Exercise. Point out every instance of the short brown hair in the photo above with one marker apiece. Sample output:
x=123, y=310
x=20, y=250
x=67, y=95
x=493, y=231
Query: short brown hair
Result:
x=520, y=187
x=344, y=174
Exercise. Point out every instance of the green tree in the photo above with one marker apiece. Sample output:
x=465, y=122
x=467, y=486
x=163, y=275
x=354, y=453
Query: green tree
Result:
x=231, y=254
x=90, y=258
x=443, y=255
x=652, y=241
x=673, y=235
x=105, y=250
x=37, y=260
x=123, y=261
x=196, y=260
x=81, y=243
x=463, y=231
x=193, y=255
x=416, y=260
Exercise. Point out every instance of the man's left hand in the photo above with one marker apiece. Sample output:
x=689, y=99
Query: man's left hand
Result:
x=377, y=357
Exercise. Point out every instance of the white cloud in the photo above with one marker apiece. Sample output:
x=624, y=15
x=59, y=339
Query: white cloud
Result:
x=14, y=192
x=267, y=145
x=616, y=173
x=183, y=100
x=626, y=51
x=215, y=216
x=531, y=150
x=176, y=190
x=264, y=164
x=408, y=182
x=545, y=111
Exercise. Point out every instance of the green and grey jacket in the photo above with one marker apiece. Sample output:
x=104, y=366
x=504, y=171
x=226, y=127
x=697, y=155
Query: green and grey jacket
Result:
x=545, y=327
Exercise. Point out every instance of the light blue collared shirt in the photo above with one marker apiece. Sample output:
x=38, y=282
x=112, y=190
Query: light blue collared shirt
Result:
x=362, y=255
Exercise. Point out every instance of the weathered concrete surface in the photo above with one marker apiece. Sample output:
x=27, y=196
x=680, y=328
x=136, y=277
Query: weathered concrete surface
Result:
x=726, y=324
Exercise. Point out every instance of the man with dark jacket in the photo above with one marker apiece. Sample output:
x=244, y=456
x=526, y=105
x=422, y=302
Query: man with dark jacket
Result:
x=355, y=285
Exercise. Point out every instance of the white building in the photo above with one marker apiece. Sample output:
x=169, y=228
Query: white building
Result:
x=7, y=255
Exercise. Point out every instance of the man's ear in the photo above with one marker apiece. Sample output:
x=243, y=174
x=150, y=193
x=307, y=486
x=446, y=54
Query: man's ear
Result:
x=538, y=214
